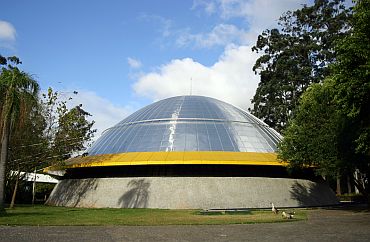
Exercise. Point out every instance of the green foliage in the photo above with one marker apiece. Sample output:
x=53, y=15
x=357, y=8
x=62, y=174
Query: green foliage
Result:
x=26, y=149
x=352, y=80
x=68, y=130
x=295, y=56
x=352, y=76
x=35, y=132
x=313, y=136
x=18, y=95
x=3, y=60
x=44, y=188
x=358, y=198
x=27, y=142
x=331, y=127
x=74, y=131
x=18, y=92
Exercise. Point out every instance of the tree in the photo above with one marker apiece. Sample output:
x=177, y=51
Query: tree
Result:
x=26, y=151
x=67, y=130
x=313, y=135
x=295, y=56
x=331, y=127
x=44, y=132
x=18, y=94
x=74, y=131
x=49, y=134
x=35, y=132
x=351, y=74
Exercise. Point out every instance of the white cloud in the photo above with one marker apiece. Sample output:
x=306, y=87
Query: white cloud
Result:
x=257, y=11
x=7, y=31
x=165, y=25
x=133, y=63
x=222, y=34
x=258, y=15
x=105, y=113
x=229, y=79
x=7, y=35
x=209, y=6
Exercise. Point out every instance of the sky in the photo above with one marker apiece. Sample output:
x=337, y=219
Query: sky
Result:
x=123, y=55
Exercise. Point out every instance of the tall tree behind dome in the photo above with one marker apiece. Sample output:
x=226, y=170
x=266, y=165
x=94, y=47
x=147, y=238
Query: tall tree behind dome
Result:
x=68, y=130
x=331, y=128
x=351, y=74
x=18, y=94
x=295, y=56
x=35, y=132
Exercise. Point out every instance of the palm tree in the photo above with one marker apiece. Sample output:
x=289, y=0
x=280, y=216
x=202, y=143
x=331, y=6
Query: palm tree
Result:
x=18, y=93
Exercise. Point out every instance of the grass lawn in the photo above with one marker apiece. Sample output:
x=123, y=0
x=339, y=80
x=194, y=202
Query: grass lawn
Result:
x=59, y=216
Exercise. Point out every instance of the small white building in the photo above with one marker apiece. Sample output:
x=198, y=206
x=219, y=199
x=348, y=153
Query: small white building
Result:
x=30, y=177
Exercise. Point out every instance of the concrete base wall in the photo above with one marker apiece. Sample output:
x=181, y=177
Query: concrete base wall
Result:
x=190, y=192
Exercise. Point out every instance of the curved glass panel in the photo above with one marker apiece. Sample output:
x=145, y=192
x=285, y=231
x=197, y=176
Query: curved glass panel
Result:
x=188, y=123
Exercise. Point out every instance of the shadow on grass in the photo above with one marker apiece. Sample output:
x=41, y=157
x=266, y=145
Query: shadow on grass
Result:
x=351, y=207
x=15, y=214
x=223, y=212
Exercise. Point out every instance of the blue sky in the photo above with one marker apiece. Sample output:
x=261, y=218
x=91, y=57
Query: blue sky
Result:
x=122, y=55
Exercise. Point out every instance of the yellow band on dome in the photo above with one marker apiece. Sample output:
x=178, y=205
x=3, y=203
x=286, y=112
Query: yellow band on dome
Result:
x=173, y=158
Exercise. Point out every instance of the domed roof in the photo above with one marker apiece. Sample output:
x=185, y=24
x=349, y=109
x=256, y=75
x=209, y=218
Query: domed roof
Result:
x=187, y=123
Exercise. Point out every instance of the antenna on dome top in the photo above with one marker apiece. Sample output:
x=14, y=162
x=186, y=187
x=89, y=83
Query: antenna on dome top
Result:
x=191, y=85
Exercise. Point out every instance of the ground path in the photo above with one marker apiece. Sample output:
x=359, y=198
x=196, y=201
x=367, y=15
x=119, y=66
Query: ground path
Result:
x=322, y=225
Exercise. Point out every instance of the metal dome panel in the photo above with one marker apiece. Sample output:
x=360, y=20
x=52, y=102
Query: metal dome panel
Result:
x=187, y=123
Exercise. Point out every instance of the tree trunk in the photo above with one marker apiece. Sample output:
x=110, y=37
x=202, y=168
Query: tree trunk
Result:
x=355, y=178
x=15, y=190
x=3, y=158
x=349, y=187
x=339, y=191
x=34, y=188
x=363, y=190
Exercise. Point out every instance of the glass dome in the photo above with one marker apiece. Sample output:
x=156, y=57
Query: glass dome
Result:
x=187, y=123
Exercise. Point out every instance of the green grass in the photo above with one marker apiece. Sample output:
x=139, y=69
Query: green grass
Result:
x=60, y=216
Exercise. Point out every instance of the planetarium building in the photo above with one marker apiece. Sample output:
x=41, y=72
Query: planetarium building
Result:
x=186, y=152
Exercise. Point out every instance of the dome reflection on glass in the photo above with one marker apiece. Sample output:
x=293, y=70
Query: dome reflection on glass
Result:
x=187, y=123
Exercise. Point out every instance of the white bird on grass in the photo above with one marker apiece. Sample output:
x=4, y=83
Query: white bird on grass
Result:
x=287, y=215
x=273, y=209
